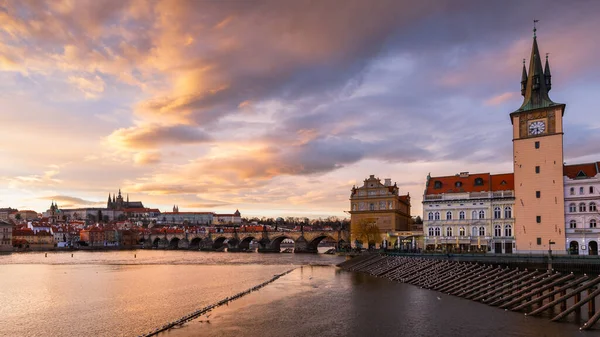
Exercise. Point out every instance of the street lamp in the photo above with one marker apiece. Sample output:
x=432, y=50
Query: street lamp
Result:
x=550, y=243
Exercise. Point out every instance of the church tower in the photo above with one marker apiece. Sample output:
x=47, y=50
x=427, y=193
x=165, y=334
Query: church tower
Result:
x=538, y=162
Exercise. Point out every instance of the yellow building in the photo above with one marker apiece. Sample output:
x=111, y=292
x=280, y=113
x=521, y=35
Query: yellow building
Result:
x=377, y=211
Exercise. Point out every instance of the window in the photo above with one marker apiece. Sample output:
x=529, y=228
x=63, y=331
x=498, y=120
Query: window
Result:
x=382, y=205
x=539, y=241
x=437, y=231
x=537, y=169
x=474, y=215
x=582, y=207
x=430, y=216
x=581, y=190
x=354, y=207
x=371, y=207
x=572, y=191
x=461, y=215
x=572, y=208
x=481, y=215
x=593, y=207
x=481, y=231
x=591, y=189
x=497, y=213
x=458, y=184
x=593, y=223
x=437, y=184
x=474, y=231
x=448, y=231
x=572, y=224
x=449, y=216
x=497, y=230
x=507, y=230
x=461, y=231
x=537, y=145
x=507, y=212
x=437, y=215
x=538, y=219
x=430, y=231
x=478, y=182
x=538, y=194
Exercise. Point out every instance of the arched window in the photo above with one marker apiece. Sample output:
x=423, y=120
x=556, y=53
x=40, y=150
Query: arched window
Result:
x=593, y=207
x=582, y=207
x=572, y=191
x=572, y=208
x=581, y=190
x=481, y=215
x=497, y=230
x=461, y=231
x=354, y=207
x=481, y=231
x=430, y=216
x=507, y=230
x=474, y=215
x=572, y=224
x=437, y=184
x=478, y=182
x=438, y=232
x=497, y=213
x=430, y=231
x=448, y=215
x=448, y=231
x=507, y=212
x=461, y=215
x=437, y=215
x=593, y=223
x=474, y=231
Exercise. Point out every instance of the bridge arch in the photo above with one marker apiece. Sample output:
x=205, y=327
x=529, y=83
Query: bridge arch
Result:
x=155, y=243
x=219, y=242
x=314, y=243
x=276, y=242
x=244, y=245
x=174, y=243
x=195, y=243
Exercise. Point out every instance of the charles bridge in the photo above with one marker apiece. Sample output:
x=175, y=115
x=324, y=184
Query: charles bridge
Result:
x=239, y=241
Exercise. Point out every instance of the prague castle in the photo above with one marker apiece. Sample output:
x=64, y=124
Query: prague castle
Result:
x=544, y=204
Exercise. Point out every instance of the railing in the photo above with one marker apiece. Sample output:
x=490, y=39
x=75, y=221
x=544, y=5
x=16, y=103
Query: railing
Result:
x=472, y=195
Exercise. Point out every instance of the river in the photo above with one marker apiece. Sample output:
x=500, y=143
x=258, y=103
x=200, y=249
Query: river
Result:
x=127, y=293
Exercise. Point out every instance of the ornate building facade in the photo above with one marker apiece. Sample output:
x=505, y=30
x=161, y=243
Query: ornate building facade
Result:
x=380, y=206
x=117, y=202
x=582, y=202
x=469, y=213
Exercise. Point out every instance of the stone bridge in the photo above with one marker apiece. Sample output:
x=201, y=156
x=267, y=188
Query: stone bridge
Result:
x=304, y=241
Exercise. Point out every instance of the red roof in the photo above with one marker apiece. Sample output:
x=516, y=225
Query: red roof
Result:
x=131, y=210
x=467, y=183
x=175, y=213
x=573, y=171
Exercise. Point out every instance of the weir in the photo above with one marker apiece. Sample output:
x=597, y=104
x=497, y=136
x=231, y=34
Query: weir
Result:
x=508, y=288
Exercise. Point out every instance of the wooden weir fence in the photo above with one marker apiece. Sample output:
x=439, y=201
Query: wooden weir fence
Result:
x=530, y=291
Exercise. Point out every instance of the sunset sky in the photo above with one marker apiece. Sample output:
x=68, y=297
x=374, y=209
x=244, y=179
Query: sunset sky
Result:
x=275, y=108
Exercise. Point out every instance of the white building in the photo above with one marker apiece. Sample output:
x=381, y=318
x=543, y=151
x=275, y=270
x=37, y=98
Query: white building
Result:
x=582, y=199
x=469, y=213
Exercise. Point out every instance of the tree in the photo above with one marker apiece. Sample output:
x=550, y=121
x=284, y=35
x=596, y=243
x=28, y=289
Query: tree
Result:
x=418, y=220
x=366, y=230
x=100, y=218
x=18, y=216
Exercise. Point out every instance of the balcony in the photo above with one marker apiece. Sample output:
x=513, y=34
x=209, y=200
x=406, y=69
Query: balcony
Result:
x=472, y=195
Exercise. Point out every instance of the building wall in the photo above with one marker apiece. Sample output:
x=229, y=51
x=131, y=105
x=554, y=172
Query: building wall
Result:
x=6, y=237
x=586, y=230
x=532, y=236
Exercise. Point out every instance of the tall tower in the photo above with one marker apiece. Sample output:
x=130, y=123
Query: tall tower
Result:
x=538, y=162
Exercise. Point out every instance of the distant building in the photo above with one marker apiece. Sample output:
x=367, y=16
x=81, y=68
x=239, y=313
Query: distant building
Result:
x=379, y=206
x=6, y=212
x=191, y=218
x=118, y=203
x=469, y=212
x=227, y=219
x=6, y=236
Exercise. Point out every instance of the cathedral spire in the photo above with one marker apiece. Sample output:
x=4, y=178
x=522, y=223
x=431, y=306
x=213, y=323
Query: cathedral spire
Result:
x=535, y=90
x=547, y=75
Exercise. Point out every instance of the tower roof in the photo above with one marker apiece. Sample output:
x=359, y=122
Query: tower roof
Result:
x=536, y=87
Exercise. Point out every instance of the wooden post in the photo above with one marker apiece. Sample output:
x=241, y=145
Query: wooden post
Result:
x=563, y=305
x=578, y=298
x=591, y=304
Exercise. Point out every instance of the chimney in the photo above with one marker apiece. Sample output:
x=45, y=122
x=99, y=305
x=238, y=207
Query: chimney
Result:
x=388, y=182
x=464, y=174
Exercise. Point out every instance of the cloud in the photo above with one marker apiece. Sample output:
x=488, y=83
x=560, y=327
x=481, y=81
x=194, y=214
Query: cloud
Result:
x=92, y=87
x=145, y=158
x=500, y=99
x=152, y=136
x=67, y=201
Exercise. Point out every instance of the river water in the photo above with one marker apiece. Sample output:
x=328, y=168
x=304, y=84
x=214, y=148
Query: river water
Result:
x=128, y=293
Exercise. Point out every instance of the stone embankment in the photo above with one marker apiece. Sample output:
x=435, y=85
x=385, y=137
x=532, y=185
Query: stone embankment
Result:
x=530, y=291
x=209, y=308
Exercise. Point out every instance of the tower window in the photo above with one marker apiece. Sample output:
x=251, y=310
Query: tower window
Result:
x=538, y=219
x=591, y=189
x=537, y=169
x=538, y=194
x=537, y=145
x=539, y=241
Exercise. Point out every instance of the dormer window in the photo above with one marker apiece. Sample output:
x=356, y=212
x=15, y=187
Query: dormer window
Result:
x=458, y=184
x=478, y=182
x=437, y=184
x=581, y=174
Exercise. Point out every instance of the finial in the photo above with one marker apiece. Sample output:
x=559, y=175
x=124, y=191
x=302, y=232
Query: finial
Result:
x=547, y=56
x=523, y=61
x=534, y=27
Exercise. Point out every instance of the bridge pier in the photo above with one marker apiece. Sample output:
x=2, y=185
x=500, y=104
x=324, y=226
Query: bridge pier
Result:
x=302, y=246
x=183, y=244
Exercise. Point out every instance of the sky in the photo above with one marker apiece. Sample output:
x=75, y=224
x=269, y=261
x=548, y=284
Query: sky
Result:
x=275, y=108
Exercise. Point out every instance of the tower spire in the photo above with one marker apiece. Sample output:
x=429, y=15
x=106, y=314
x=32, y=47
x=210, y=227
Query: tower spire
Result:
x=535, y=89
x=524, y=80
x=547, y=75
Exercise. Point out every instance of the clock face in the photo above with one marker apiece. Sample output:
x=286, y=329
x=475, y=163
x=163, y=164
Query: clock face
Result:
x=537, y=128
